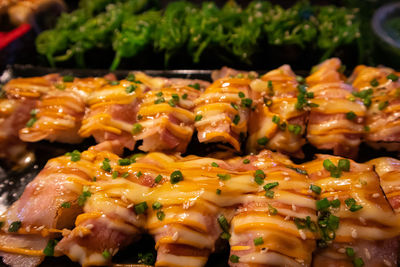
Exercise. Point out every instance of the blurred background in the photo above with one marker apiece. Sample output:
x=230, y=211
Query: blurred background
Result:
x=150, y=34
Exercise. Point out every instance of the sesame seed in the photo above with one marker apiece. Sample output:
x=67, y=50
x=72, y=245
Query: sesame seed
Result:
x=367, y=254
x=354, y=233
x=376, y=195
x=293, y=207
x=89, y=226
x=386, y=262
x=175, y=236
x=287, y=218
x=362, y=220
x=302, y=235
x=357, y=185
x=264, y=250
x=286, y=178
x=341, y=250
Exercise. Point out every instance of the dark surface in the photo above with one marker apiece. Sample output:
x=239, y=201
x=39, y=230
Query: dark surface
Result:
x=13, y=182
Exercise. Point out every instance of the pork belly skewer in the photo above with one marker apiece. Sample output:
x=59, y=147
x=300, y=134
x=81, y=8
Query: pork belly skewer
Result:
x=112, y=113
x=222, y=111
x=59, y=112
x=388, y=170
x=21, y=97
x=378, y=88
x=48, y=204
x=278, y=122
x=110, y=220
x=264, y=228
x=357, y=224
x=165, y=120
x=336, y=120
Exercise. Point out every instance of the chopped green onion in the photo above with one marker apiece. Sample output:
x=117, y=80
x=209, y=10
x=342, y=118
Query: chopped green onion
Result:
x=224, y=177
x=140, y=208
x=113, y=82
x=218, y=191
x=276, y=119
x=258, y=241
x=115, y=174
x=184, y=96
x=234, y=106
x=269, y=186
x=323, y=204
x=214, y=164
x=106, y=165
x=272, y=210
x=157, y=205
x=75, y=156
x=383, y=105
x=31, y=122
x=269, y=194
x=198, y=117
x=159, y=100
x=124, y=162
x=83, y=197
x=223, y=223
x=350, y=252
x=106, y=254
x=351, y=115
x=236, y=119
x=160, y=215
x=262, y=141
x=68, y=78
x=125, y=175
x=49, y=249
x=316, y=189
x=392, y=77
x=358, y=262
x=195, y=86
x=66, y=205
x=130, y=89
x=171, y=102
x=374, y=82
x=139, y=174
x=247, y=102
x=158, y=178
x=344, y=165
x=246, y=161
x=234, y=258
x=335, y=203
x=241, y=94
x=131, y=77
x=137, y=128
x=176, y=177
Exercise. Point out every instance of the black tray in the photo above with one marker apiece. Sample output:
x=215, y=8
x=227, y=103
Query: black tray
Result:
x=13, y=182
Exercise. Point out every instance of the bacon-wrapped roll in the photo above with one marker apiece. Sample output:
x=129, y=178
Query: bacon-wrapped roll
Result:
x=388, y=170
x=57, y=118
x=49, y=204
x=263, y=229
x=277, y=122
x=109, y=221
x=378, y=88
x=22, y=95
x=14, y=114
x=112, y=113
x=222, y=112
x=165, y=119
x=31, y=87
x=336, y=118
x=357, y=224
